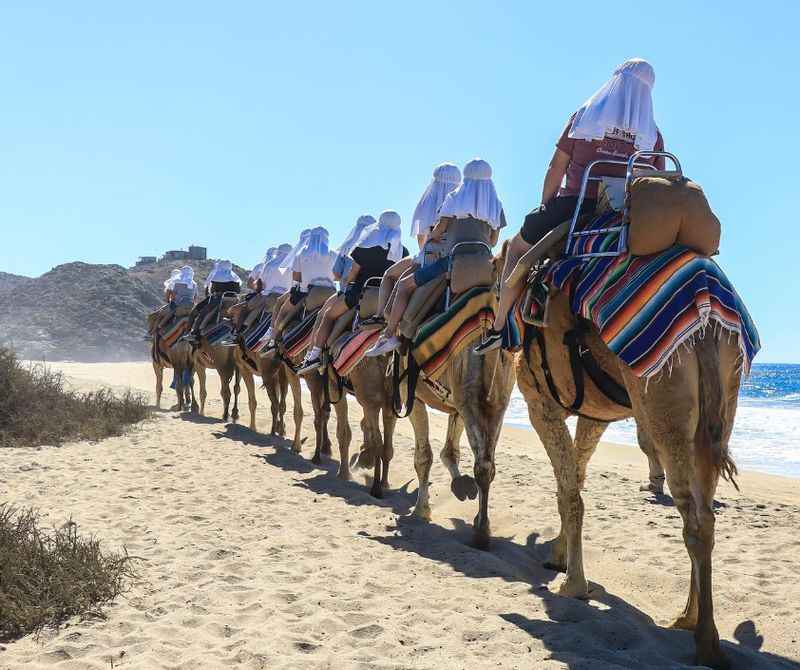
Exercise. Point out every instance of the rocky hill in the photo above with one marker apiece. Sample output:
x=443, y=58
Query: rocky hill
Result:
x=84, y=312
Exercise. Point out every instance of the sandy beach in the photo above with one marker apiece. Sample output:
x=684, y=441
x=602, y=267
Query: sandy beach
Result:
x=252, y=557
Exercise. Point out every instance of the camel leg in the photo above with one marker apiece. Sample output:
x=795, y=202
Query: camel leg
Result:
x=159, y=371
x=271, y=387
x=389, y=423
x=552, y=430
x=344, y=436
x=462, y=486
x=483, y=429
x=656, y=479
x=283, y=391
x=320, y=420
x=201, y=379
x=297, y=409
x=225, y=392
x=236, y=388
x=195, y=407
x=252, y=401
x=423, y=458
x=367, y=454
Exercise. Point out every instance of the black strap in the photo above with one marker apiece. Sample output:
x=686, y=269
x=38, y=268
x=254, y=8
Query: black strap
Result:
x=573, y=343
x=339, y=385
x=412, y=377
x=582, y=360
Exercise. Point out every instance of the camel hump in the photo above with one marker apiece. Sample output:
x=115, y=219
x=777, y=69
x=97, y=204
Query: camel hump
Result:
x=664, y=212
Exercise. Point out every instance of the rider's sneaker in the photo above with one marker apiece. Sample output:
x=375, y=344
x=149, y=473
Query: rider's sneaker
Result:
x=384, y=345
x=374, y=320
x=309, y=365
x=492, y=341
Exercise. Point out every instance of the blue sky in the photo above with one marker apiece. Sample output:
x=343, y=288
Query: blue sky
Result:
x=130, y=128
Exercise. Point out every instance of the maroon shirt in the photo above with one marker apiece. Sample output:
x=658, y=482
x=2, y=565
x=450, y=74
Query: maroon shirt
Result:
x=616, y=146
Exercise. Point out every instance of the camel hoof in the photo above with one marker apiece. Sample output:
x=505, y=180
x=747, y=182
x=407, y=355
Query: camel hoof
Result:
x=175, y=408
x=423, y=512
x=652, y=488
x=343, y=474
x=253, y=427
x=464, y=487
x=481, y=540
x=195, y=408
x=326, y=450
x=366, y=459
x=235, y=416
x=684, y=622
x=316, y=459
x=574, y=588
x=224, y=416
x=296, y=448
x=376, y=491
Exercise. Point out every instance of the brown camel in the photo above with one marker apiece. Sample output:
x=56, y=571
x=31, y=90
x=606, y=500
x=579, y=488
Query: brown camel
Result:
x=179, y=358
x=222, y=359
x=478, y=392
x=684, y=418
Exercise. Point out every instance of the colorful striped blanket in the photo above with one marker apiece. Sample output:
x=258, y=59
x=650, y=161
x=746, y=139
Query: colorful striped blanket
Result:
x=446, y=335
x=173, y=331
x=297, y=339
x=353, y=350
x=646, y=307
x=255, y=339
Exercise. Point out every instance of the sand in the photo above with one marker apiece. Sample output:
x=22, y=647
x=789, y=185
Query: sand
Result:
x=252, y=557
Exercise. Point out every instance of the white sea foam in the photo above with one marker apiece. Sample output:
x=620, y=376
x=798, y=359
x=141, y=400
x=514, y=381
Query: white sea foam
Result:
x=766, y=435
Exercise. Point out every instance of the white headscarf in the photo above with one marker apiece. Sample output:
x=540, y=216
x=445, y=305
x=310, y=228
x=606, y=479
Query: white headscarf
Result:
x=223, y=272
x=352, y=237
x=625, y=103
x=386, y=233
x=314, y=260
x=288, y=260
x=476, y=197
x=446, y=178
x=274, y=278
x=170, y=281
x=255, y=273
x=186, y=276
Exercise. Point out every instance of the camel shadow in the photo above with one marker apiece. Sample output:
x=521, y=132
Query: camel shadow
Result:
x=242, y=434
x=199, y=418
x=603, y=631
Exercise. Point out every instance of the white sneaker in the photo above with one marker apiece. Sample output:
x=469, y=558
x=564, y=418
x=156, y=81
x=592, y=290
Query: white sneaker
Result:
x=384, y=345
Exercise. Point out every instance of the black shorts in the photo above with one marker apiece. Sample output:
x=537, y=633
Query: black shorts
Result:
x=554, y=212
x=352, y=294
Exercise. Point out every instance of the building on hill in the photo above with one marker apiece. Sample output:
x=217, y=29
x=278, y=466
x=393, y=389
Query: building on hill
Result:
x=146, y=260
x=175, y=255
x=197, y=253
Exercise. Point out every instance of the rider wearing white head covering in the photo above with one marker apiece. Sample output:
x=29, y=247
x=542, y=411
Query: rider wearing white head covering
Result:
x=612, y=125
x=476, y=197
x=623, y=103
x=446, y=178
x=385, y=233
x=274, y=278
x=313, y=260
x=171, y=279
x=184, y=286
x=343, y=264
x=288, y=260
x=223, y=273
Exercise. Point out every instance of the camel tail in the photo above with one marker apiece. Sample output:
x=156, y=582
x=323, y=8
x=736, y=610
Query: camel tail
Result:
x=711, y=429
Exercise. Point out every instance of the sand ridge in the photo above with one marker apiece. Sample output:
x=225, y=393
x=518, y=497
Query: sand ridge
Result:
x=252, y=557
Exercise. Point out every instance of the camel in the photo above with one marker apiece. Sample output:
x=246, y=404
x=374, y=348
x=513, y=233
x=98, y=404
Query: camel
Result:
x=222, y=359
x=684, y=420
x=479, y=392
x=179, y=358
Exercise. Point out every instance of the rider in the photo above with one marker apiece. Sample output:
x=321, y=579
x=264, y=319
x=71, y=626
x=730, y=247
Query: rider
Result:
x=471, y=213
x=221, y=280
x=374, y=251
x=311, y=264
x=446, y=178
x=613, y=124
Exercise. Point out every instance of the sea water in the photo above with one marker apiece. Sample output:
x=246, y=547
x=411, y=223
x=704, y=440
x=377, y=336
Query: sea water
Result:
x=766, y=434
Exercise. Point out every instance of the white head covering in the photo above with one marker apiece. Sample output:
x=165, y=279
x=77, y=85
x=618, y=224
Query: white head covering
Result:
x=625, y=103
x=355, y=233
x=386, y=233
x=446, y=178
x=314, y=260
x=476, y=196
x=288, y=260
x=274, y=278
x=255, y=273
x=223, y=272
x=169, y=281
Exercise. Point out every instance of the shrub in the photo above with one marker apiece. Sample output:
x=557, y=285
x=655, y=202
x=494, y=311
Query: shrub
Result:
x=47, y=576
x=36, y=408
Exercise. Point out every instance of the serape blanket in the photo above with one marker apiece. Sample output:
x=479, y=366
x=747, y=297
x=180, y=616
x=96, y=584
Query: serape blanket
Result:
x=646, y=307
x=446, y=335
x=354, y=348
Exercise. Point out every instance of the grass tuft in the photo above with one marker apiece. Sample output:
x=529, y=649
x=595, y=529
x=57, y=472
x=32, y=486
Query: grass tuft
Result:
x=36, y=408
x=48, y=576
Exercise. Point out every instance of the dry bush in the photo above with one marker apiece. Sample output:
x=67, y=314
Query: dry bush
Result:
x=47, y=576
x=36, y=408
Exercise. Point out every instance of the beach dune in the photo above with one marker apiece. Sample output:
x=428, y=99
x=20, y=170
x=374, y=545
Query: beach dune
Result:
x=251, y=557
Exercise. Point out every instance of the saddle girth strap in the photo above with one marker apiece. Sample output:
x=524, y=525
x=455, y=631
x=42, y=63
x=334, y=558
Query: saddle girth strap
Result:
x=412, y=376
x=581, y=360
